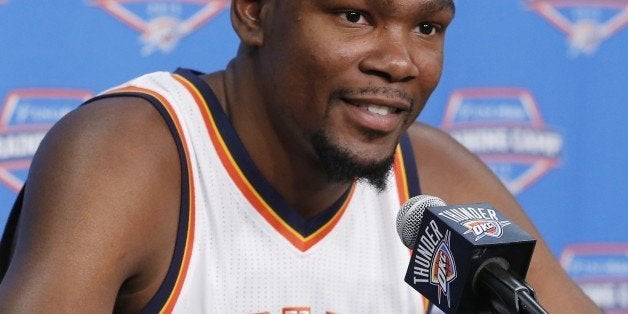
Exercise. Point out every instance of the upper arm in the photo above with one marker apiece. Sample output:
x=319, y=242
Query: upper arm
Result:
x=101, y=182
x=451, y=172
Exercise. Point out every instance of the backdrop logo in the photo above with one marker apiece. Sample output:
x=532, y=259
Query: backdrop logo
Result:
x=601, y=270
x=587, y=23
x=162, y=24
x=25, y=117
x=503, y=126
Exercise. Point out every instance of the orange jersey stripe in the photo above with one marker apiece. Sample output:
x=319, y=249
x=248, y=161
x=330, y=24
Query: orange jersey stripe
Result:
x=404, y=195
x=400, y=176
x=172, y=299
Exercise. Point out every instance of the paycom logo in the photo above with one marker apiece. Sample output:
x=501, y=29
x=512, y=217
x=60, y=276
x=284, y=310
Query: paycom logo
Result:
x=601, y=270
x=25, y=117
x=504, y=127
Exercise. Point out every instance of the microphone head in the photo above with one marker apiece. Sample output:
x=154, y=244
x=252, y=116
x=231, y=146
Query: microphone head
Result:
x=410, y=215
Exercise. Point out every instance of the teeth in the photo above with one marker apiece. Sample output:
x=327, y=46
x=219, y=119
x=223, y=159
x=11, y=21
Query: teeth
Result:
x=381, y=110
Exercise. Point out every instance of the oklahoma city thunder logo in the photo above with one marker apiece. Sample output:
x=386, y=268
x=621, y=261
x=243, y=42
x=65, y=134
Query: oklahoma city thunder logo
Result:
x=503, y=126
x=25, y=118
x=586, y=23
x=162, y=23
x=482, y=228
x=443, y=270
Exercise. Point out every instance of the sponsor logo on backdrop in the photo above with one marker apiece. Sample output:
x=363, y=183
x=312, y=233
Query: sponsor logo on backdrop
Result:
x=25, y=117
x=162, y=24
x=586, y=23
x=504, y=127
x=601, y=269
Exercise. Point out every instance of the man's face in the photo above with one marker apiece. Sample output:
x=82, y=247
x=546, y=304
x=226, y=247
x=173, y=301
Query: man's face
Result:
x=355, y=72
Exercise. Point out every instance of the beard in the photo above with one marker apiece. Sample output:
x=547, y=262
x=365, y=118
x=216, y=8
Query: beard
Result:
x=341, y=165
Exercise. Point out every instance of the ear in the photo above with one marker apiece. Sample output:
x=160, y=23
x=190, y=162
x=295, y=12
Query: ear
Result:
x=247, y=17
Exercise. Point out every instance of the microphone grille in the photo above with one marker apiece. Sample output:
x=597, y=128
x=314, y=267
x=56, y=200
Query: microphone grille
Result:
x=410, y=215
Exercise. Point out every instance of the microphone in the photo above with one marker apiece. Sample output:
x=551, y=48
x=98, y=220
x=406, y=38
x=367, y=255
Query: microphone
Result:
x=467, y=258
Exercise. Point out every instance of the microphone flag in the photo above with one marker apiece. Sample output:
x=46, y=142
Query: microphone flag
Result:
x=453, y=242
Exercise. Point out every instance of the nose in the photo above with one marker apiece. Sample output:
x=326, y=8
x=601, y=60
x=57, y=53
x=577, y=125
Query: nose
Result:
x=390, y=57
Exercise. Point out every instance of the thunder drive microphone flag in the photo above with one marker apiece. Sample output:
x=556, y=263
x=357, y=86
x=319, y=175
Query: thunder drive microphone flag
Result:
x=451, y=243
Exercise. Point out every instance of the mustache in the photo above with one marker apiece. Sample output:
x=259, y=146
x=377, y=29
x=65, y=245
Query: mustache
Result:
x=381, y=91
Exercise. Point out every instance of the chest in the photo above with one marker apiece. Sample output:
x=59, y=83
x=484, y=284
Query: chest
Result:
x=243, y=264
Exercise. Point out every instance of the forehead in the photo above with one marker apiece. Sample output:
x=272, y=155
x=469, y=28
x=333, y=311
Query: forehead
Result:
x=423, y=5
x=443, y=9
x=426, y=6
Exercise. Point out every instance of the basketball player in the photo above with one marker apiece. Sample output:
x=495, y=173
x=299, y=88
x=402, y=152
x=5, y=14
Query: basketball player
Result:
x=269, y=187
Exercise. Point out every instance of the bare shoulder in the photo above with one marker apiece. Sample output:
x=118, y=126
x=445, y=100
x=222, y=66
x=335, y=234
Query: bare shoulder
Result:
x=449, y=170
x=100, y=201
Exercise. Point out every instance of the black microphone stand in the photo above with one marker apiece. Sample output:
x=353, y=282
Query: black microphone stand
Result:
x=506, y=292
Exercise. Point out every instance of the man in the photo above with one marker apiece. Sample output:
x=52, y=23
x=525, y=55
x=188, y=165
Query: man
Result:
x=263, y=188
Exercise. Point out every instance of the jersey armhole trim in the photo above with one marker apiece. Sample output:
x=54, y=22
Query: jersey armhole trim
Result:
x=406, y=172
x=407, y=179
x=166, y=296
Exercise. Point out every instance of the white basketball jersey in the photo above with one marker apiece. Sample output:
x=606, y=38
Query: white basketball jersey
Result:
x=242, y=249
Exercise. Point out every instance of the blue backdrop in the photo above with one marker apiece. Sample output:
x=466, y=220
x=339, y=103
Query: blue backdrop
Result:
x=538, y=89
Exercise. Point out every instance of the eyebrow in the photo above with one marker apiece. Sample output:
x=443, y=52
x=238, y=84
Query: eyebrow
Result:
x=439, y=5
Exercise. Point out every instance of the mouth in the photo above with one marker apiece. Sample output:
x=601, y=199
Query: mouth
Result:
x=379, y=107
x=382, y=115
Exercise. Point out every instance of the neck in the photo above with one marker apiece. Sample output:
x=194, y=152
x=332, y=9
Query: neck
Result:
x=292, y=170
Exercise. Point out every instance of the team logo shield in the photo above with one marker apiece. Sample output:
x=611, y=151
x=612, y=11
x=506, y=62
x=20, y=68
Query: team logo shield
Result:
x=586, y=23
x=162, y=24
x=504, y=127
x=443, y=268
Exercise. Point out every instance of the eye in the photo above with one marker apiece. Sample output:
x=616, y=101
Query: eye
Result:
x=428, y=29
x=354, y=17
